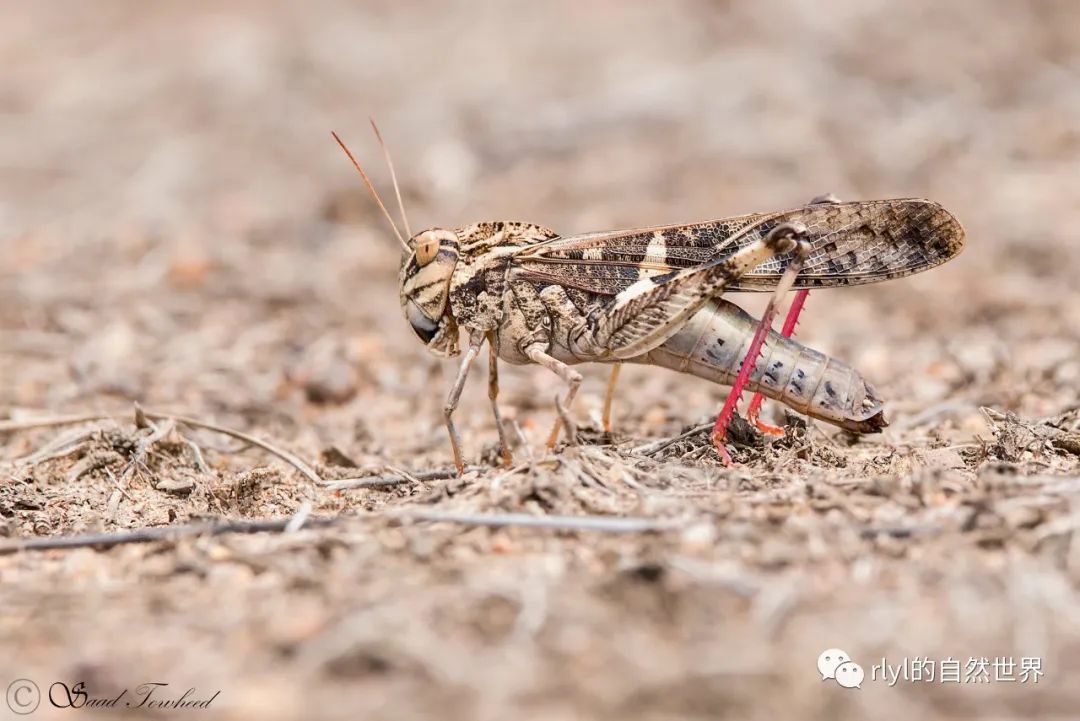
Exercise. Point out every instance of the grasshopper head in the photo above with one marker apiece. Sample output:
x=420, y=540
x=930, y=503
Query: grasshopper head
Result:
x=425, y=289
x=426, y=268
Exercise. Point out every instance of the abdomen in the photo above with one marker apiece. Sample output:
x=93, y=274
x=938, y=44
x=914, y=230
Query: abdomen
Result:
x=712, y=346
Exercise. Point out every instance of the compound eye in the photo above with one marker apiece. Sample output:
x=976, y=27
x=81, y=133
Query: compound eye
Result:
x=427, y=247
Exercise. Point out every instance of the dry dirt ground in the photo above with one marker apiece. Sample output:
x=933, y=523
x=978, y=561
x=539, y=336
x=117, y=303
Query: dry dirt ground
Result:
x=178, y=230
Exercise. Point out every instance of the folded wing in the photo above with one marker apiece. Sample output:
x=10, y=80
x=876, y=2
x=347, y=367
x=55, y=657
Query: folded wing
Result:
x=853, y=244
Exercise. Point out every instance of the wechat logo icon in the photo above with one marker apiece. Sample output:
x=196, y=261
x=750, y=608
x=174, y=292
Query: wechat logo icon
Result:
x=837, y=665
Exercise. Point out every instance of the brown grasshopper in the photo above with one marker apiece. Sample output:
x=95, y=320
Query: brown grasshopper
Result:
x=653, y=296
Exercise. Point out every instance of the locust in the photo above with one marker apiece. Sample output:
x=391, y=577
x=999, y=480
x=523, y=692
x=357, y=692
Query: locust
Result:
x=654, y=296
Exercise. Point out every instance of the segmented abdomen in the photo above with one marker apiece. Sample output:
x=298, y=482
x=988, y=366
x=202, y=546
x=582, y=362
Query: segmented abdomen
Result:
x=714, y=342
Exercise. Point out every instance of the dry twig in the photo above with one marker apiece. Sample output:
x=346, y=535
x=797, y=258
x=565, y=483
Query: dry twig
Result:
x=48, y=422
x=398, y=477
x=144, y=446
x=156, y=533
x=657, y=446
x=608, y=524
x=287, y=456
x=57, y=448
x=602, y=524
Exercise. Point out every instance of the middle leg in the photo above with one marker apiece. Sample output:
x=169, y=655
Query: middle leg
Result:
x=609, y=395
x=651, y=310
x=573, y=380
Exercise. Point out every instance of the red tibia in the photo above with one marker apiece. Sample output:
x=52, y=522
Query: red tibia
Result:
x=793, y=312
x=789, y=328
x=723, y=420
x=731, y=404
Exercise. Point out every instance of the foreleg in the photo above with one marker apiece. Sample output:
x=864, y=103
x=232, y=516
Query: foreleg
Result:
x=493, y=396
x=475, y=341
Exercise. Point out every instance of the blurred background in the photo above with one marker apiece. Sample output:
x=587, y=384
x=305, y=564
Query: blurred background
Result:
x=177, y=227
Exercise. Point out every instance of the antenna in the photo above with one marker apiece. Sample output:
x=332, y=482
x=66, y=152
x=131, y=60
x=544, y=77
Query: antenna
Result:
x=371, y=188
x=393, y=175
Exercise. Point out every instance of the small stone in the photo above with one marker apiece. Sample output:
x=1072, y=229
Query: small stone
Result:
x=327, y=377
x=1023, y=516
x=698, y=538
x=943, y=458
x=176, y=486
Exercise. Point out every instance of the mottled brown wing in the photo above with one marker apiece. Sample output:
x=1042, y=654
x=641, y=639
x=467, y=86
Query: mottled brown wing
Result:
x=853, y=243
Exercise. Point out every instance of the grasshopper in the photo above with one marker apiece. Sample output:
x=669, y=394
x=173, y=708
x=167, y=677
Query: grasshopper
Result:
x=653, y=296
